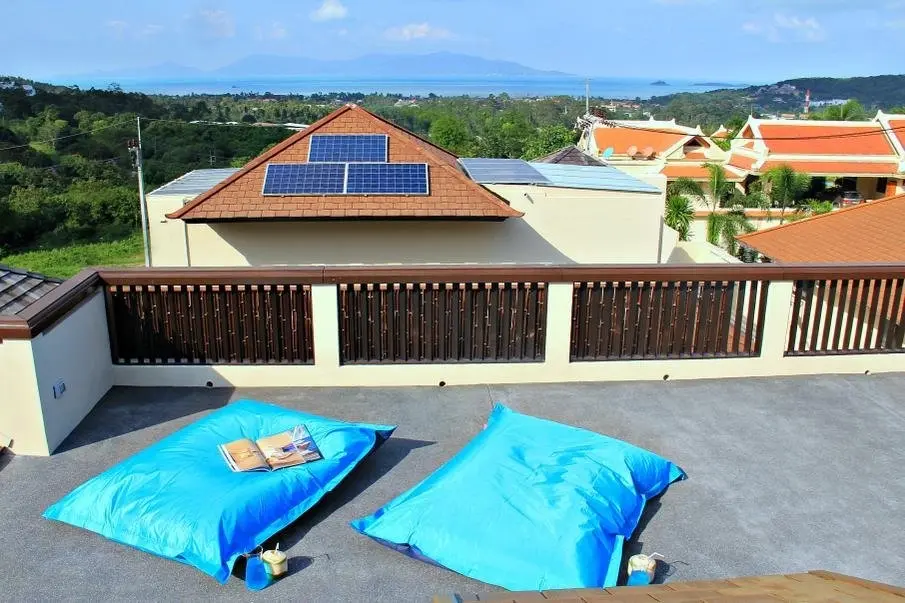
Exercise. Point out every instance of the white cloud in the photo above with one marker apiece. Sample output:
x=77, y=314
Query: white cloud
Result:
x=117, y=27
x=785, y=27
x=330, y=10
x=274, y=31
x=150, y=30
x=215, y=23
x=416, y=31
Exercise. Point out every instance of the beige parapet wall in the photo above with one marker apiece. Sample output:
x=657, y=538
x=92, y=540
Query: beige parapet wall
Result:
x=65, y=338
x=556, y=368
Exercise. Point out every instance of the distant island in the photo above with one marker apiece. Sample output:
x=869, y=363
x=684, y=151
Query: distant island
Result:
x=660, y=83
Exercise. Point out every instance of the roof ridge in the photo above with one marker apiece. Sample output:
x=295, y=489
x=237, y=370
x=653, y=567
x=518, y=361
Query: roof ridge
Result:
x=830, y=214
x=260, y=160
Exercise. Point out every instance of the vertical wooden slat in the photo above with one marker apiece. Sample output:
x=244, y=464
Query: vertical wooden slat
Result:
x=821, y=287
x=808, y=292
x=620, y=295
x=844, y=292
x=758, y=332
x=739, y=312
x=668, y=320
x=722, y=344
x=882, y=318
x=830, y=302
x=797, y=301
x=892, y=317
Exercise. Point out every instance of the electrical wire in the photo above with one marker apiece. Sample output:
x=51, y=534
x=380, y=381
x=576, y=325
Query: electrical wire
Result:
x=210, y=123
x=873, y=132
x=51, y=140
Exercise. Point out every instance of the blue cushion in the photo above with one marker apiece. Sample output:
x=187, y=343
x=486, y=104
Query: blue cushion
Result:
x=178, y=499
x=528, y=504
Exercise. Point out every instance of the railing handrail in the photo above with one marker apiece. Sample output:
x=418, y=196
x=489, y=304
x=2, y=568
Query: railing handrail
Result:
x=44, y=313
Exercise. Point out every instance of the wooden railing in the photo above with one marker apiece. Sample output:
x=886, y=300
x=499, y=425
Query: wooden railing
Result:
x=847, y=316
x=489, y=314
x=651, y=320
x=393, y=323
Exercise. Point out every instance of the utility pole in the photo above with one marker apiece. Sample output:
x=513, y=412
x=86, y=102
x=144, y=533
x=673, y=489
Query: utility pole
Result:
x=135, y=149
x=587, y=96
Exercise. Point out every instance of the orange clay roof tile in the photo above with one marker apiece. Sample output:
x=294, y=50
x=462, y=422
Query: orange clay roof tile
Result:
x=868, y=233
x=240, y=196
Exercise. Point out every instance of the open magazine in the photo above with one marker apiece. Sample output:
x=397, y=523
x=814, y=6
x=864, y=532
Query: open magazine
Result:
x=286, y=449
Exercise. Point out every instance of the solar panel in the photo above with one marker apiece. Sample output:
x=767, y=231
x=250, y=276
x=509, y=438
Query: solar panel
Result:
x=347, y=148
x=305, y=179
x=502, y=171
x=387, y=178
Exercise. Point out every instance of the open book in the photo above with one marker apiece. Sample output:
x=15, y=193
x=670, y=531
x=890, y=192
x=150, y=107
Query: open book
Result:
x=286, y=449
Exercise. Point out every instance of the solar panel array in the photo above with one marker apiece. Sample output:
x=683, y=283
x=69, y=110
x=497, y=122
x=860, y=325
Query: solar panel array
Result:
x=502, y=171
x=305, y=179
x=397, y=178
x=346, y=179
x=347, y=148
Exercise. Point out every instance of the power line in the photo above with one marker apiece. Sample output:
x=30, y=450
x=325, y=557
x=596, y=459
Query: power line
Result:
x=52, y=140
x=872, y=132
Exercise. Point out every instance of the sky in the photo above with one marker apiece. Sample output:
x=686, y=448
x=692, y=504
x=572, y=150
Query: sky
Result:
x=734, y=40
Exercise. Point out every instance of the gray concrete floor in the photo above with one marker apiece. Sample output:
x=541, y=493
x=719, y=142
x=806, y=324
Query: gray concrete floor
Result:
x=784, y=475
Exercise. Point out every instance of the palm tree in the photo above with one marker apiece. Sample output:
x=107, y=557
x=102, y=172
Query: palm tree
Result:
x=723, y=228
x=685, y=187
x=786, y=187
x=720, y=187
x=679, y=215
x=852, y=110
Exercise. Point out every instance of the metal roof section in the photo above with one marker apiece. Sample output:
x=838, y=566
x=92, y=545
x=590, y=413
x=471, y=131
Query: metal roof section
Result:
x=502, y=171
x=20, y=288
x=195, y=182
x=605, y=178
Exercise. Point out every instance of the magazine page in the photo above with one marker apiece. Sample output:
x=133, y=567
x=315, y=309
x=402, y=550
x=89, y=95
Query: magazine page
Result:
x=289, y=448
x=244, y=455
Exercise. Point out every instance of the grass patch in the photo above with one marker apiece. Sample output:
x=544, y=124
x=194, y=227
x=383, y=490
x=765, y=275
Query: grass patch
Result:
x=65, y=261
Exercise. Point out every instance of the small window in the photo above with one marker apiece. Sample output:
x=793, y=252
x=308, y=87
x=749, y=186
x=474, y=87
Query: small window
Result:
x=881, y=185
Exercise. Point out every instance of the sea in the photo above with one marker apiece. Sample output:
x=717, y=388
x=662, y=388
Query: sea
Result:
x=521, y=87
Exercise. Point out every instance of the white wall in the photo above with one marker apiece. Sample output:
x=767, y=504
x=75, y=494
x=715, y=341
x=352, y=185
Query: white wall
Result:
x=345, y=242
x=167, y=237
x=76, y=350
x=20, y=405
x=592, y=227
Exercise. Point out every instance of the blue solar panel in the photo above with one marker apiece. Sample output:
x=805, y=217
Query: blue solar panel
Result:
x=348, y=148
x=502, y=171
x=305, y=179
x=387, y=178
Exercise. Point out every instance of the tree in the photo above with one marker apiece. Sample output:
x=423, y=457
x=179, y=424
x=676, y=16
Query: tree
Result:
x=722, y=228
x=786, y=187
x=679, y=215
x=720, y=187
x=451, y=133
x=685, y=187
x=547, y=140
x=852, y=110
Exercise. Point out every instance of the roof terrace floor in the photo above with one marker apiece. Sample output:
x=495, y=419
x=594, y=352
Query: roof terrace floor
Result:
x=785, y=475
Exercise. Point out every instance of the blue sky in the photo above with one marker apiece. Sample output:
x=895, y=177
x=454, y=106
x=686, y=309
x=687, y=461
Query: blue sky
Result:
x=737, y=40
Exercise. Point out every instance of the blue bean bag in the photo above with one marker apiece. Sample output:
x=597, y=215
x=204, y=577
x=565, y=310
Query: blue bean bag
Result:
x=528, y=505
x=178, y=498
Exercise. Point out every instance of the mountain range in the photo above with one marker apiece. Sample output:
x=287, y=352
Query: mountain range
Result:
x=438, y=64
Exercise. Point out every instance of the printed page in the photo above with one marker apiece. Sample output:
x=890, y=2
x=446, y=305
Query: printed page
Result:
x=244, y=455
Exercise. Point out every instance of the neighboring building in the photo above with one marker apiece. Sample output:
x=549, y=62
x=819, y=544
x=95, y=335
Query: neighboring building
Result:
x=571, y=155
x=20, y=288
x=398, y=199
x=856, y=155
x=873, y=232
x=645, y=147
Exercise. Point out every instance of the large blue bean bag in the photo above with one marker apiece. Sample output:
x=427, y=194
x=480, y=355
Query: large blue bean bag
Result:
x=528, y=505
x=178, y=498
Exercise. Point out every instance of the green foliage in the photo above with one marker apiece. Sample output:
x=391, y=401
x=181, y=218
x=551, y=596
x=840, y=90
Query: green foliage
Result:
x=685, y=187
x=452, y=134
x=809, y=208
x=722, y=228
x=720, y=188
x=852, y=110
x=67, y=260
x=786, y=187
x=547, y=140
x=679, y=215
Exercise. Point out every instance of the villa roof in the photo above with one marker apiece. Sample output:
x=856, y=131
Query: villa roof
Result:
x=451, y=194
x=620, y=139
x=698, y=171
x=825, y=138
x=20, y=288
x=836, y=168
x=867, y=233
x=571, y=155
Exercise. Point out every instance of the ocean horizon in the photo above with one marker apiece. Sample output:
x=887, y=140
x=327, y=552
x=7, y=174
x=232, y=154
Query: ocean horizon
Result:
x=516, y=86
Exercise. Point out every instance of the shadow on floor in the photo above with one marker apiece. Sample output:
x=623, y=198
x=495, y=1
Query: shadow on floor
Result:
x=127, y=409
x=635, y=545
x=372, y=468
